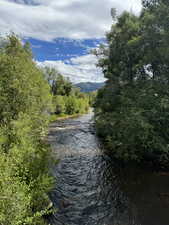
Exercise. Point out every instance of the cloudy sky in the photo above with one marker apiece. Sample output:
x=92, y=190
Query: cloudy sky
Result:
x=62, y=32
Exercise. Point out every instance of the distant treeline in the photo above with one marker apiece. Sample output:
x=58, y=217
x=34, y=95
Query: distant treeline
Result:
x=67, y=99
x=132, y=110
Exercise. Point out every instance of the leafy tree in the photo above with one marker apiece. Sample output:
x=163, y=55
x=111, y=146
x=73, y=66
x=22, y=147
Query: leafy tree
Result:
x=67, y=99
x=132, y=109
x=59, y=104
x=61, y=86
x=27, y=48
x=25, y=100
x=50, y=75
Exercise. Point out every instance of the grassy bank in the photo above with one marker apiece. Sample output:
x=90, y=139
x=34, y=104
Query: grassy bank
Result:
x=54, y=118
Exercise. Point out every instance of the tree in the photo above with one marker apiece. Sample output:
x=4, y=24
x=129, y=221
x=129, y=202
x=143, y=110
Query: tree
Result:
x=27, y=48
x=50, y=75
x=61, y=86
x=24, y=163
x=132, y=109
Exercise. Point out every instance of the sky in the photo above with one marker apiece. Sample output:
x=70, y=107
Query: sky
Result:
x=62, y=33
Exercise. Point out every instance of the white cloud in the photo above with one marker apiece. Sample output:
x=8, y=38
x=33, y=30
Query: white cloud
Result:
x=79, y=69
x=49, y=19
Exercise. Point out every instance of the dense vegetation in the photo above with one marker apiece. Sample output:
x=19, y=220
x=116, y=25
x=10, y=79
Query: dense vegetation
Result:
x=24, y=101
x=67, y=99
x=132, y=110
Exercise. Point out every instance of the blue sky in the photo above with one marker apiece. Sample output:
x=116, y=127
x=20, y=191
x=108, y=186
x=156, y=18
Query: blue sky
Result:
x=62, y=48
x=62, y=32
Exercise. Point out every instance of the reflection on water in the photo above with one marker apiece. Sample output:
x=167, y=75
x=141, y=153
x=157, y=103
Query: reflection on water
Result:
x=92, y=190
x=149, y=193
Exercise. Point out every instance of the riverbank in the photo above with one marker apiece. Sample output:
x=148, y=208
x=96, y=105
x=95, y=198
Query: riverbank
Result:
x=55, y=117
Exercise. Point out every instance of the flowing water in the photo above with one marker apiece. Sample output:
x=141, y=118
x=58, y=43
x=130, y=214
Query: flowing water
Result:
x=92, y=190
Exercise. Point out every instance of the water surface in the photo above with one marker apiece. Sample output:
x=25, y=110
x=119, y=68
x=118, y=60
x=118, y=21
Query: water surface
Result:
x=91, y=189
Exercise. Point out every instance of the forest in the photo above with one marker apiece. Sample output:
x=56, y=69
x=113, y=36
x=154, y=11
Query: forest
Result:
x=132, y=110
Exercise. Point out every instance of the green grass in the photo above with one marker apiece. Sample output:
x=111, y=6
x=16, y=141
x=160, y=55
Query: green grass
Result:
x=62, y=117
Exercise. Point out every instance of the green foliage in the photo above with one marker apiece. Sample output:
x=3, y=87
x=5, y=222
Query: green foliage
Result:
x=25, y=102
x=67, y=99
x=70, y=105
x=59, y=104
x=131, y=111
x=59, y=85
x=92, y=98
x=76, y=105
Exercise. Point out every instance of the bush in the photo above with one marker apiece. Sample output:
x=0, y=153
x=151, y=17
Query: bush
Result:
x=59, y=104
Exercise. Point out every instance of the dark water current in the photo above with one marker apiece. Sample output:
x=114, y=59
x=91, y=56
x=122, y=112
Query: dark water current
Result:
x=92, y=190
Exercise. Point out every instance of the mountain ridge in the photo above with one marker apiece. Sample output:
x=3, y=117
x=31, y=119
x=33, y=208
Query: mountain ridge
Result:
x=89, y=86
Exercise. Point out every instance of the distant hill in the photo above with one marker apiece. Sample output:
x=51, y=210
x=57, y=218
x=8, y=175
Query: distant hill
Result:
x=89, y=86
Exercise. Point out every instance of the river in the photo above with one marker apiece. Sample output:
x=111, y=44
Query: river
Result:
x=91, y=189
